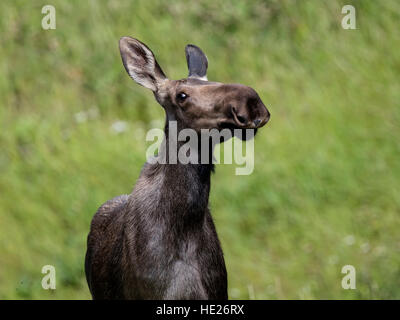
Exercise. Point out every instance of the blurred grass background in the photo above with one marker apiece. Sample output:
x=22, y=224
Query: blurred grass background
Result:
x=325, y=191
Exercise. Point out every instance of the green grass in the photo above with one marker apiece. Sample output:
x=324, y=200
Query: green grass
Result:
x=325, y=191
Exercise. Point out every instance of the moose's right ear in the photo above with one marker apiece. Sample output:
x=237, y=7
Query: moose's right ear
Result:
x=140, y=63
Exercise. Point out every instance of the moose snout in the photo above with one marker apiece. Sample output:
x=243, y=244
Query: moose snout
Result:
x=261, y=114
x=262, y=121
x=253, y=117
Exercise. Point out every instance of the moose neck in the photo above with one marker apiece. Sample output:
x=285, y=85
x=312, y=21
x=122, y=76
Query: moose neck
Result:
x=187, y=185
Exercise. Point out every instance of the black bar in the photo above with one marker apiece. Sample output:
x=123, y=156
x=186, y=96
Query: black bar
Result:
x=233, y=309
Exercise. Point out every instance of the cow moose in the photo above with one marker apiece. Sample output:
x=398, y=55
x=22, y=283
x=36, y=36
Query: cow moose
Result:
x=160, y=242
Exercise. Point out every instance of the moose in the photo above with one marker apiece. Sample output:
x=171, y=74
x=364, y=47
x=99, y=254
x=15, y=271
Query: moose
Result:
x=160, y=242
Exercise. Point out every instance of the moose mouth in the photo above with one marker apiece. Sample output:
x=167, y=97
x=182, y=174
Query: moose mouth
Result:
x=239, y=132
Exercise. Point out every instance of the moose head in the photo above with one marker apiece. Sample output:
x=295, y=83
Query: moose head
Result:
x=194, y=102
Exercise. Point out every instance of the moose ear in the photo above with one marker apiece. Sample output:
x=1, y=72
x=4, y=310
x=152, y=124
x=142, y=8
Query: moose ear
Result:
x=197, y=62
x=140, y=63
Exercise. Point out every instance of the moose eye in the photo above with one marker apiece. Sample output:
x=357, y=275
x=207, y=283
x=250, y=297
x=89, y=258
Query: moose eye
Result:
x=181, y=96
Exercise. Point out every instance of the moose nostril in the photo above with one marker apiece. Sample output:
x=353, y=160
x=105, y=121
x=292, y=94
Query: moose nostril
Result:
x=257, y=122
x=241, y=119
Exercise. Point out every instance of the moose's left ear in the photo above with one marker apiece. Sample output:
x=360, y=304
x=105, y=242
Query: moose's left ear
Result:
x=197, y=62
